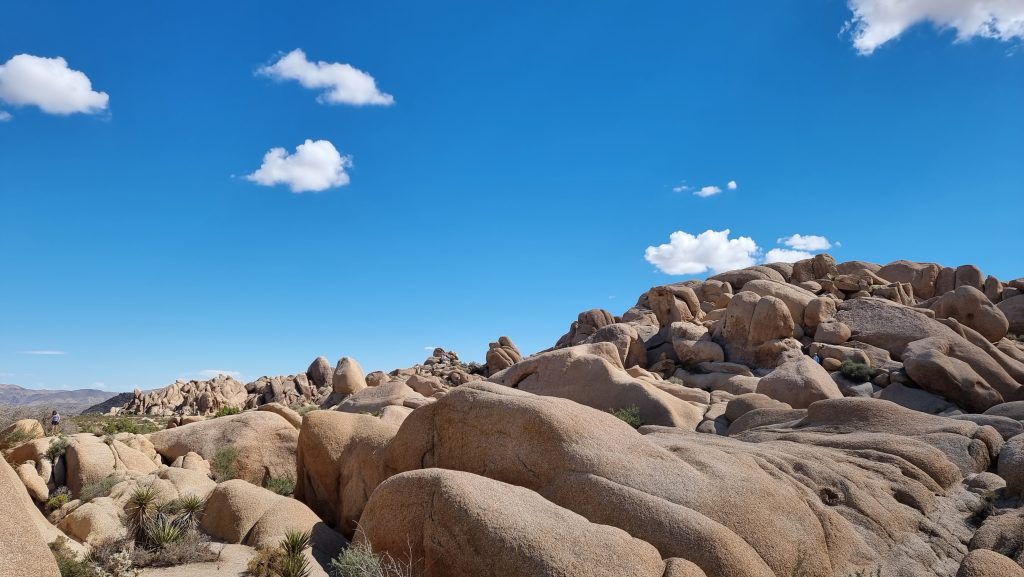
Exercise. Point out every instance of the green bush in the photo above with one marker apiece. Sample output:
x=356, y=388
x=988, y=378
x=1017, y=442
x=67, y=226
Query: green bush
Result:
x=100, y=488
x=280, y=485
x=223, y=463
x=225, y=411
x=58, y=446
x=629, y=415
x=858, y=372
x=58, y=498
x=303, y=409
x=188, y=509
x=359, y=560
x=285, y=560
x=67, y=563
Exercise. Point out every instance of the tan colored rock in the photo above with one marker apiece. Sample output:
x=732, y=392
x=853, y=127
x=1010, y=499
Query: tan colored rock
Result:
x=796, y=299
x=1002, y=532
x=1011, y=465
x=95, y=522
x=502, y=355
x=426, y=385
x=284, y=412
x=985, y=563
x=798, y=383
x=832, y=332
x=190, y=397
x=585, y=325
x=348, y=377
x=19, y=432
x=738, y=278
x=674, y=303
x=839, y=511
x=755, y=330
x=627, y=341
x=593, y=375
x=319, y=373
x=35, y=484
x=972, y=308
x=743, y=404
x=90, y=460
x=373, y=399
x=433, y=517
x=969, y=275
x=1013, y=309
x=23, y=550
x=264, y=441
x=692, y=345
x=921, y=276
x=339, y=463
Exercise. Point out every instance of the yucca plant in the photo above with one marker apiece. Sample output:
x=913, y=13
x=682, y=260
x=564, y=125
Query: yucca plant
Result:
x=162, y=531
x=294, y=563
x=188, y=508
x=141, y=511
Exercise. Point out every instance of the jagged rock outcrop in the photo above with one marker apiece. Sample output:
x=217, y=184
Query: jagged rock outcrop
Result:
x=23, y=549
x=502, y=355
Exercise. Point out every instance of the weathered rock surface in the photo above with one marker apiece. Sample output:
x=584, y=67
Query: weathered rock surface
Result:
x=264, y=442
x=435, y=516
x=593, y=375
x=23, y=549
x=972, y=308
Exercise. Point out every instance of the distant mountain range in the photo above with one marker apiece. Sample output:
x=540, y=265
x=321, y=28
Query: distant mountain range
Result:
x=70, y=402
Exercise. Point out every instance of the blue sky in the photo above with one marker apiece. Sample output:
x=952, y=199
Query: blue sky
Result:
x=531, y=155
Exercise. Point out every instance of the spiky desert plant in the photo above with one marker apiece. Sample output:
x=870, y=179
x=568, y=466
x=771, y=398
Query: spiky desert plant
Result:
x=162, y=531
x=294, y=563
x=189, y=508
x=141, y=511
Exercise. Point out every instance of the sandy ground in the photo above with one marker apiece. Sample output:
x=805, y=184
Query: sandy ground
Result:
x=232, y=562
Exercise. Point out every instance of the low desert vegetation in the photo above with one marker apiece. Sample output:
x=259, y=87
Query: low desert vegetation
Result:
x=359, y=560
x=165, y=534
x=629, y=415
x=303, y=409
x=285, y=560
x=58, y=446
x=858, y=372
x=223, y=465
x=226, y=411
x=280, y=485
x=100, y=488
x=58, y=498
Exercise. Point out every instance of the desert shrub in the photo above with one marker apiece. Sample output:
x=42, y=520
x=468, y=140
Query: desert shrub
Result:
x=140, y=512
x=984, y=508
x=285, y=560
x=359, y=560
x=191, y=548
x=280, y=485
x=1013, y=337
x=100, y=488
x=122, y=425
x=225, y=411
x=188, y=509
x=58, y=446
x=303, y=409
x=114, y=559
x=629, y=415
x=58, y=498
x=162, y=531
x=223, y=463
x=67, y=563
x=858, y=372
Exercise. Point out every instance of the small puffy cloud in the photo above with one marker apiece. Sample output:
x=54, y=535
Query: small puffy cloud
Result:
x=341, y=83
x=49, y=84
x=711, y=249
x=876, y=22
x=4, y=116
x=680, y=188
x=786, y=255
x=313, y=167
x=806, y=242
x=732, y=185
x=707, y=191
x=44, y=353
x=207, y=374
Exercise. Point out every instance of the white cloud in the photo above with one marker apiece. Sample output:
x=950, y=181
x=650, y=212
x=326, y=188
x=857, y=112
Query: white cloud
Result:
x=4, y=116
x=786, y=255
x=806, y=242
x=342, y=83
x=876, y=22
x=732, y=185
x=44, y=353
x=707, y=191
x=711, y=249
x=207, y=374
x=680, y=188
x=314, y=166
x=48, y=83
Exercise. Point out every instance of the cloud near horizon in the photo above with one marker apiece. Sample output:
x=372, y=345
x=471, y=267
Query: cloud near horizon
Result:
x=314, y=166
x=48, y=84
x=713, y=250
x=341, y=83
x=44, y=353
x=876, y=22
